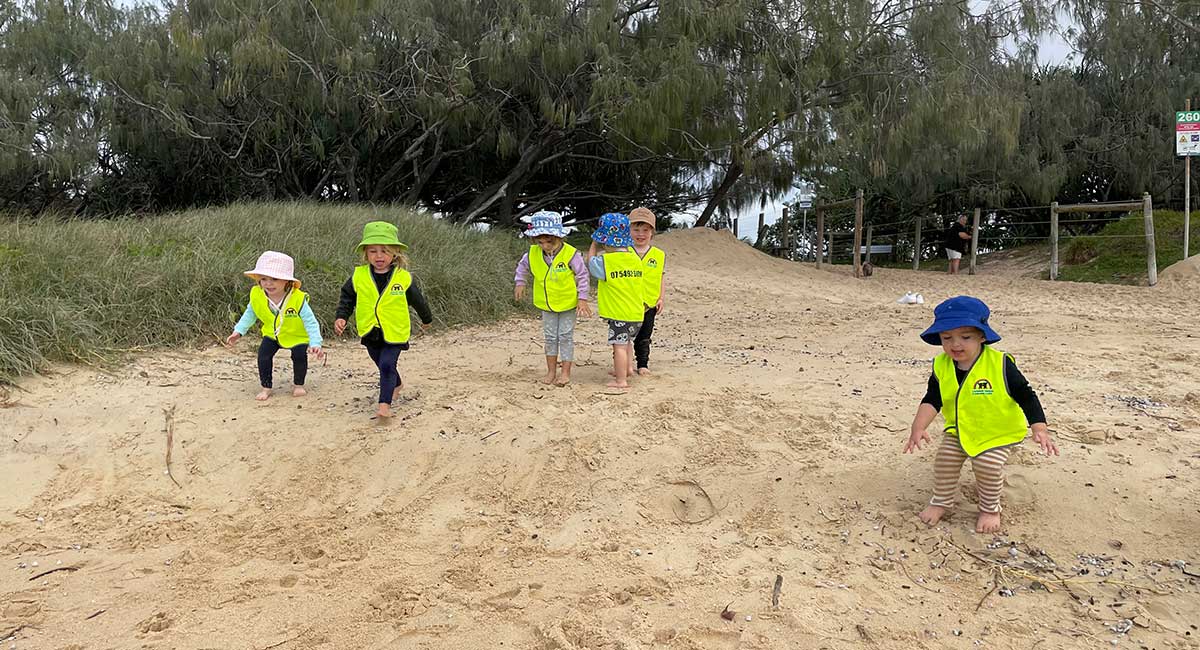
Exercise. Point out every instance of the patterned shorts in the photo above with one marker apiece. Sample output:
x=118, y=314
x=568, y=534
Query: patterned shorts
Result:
x=621, y=332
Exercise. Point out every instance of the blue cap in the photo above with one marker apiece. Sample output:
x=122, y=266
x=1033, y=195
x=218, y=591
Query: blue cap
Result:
x=959, y=311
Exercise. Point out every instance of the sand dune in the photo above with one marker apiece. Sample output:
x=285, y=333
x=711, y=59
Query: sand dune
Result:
x=496, y=512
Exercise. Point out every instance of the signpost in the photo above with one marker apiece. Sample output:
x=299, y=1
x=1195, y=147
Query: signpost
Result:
x=1187, y=144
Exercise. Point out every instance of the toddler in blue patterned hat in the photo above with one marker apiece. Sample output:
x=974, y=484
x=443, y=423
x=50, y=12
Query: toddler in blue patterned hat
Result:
x=619, y=290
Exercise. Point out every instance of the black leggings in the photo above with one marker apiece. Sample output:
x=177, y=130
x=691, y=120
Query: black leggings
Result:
x=385, y=357
x=266, y=358
x=641, y=344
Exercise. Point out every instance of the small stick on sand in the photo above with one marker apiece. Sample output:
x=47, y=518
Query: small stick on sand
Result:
x=169, y=415
x=775, y=592
x=488, y=436
x=54, y=570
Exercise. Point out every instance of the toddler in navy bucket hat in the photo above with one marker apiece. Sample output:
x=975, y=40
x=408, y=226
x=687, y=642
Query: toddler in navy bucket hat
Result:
x=986, y=402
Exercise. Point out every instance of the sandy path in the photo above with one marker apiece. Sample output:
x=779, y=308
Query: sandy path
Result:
x=784, y=392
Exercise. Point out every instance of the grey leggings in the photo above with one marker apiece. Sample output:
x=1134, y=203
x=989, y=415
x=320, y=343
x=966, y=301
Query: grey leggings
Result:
x=559, y=330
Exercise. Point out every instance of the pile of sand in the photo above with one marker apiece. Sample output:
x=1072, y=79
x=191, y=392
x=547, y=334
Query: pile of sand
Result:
x=1182, y=272
x=495, y=512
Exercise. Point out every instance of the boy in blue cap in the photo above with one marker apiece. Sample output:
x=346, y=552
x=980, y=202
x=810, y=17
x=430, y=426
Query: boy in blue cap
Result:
x=619, y=292
x=986, y=402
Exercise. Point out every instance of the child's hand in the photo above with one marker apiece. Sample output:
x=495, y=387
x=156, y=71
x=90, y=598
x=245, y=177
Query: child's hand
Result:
x=316, y=352
x=425, y=326
x=232, y=339
x=584, y=309
x=659, y=307
x=1041, y=435
x=914, y=440
x=519, y=292
x=339, y=326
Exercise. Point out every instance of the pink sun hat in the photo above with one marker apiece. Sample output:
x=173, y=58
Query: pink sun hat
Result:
x=274, y=265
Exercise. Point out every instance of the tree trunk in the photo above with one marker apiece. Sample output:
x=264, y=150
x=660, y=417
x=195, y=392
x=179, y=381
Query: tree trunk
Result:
x=501, y=188
x=732, y=174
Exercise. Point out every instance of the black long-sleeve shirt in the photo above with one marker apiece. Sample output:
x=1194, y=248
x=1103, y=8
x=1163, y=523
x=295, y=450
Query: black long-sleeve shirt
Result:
x=349, y=299
x=1018, y=388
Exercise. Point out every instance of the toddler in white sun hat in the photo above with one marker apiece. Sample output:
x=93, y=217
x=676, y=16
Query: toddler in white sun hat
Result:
x=288, y=323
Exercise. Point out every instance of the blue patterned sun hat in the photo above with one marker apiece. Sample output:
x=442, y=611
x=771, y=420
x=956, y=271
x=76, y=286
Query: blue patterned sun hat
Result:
x=545, y=222
x=613, y=230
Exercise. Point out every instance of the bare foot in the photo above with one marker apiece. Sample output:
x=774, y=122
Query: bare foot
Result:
x=548, y=379
x=384, y=411
x=988, y=522
x=263, y=395
x=298, y=391
x=616, y=384
x=563, y=380
x=643, y=371
x=932, y=514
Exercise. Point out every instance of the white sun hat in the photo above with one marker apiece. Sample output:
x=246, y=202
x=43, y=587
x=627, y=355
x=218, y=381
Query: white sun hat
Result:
x=276, y=265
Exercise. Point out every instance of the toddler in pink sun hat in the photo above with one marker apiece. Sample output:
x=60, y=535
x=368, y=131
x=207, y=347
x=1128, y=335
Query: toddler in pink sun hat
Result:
x=288, y=323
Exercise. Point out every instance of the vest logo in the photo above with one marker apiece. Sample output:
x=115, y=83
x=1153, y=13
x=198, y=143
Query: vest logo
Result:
x=561, y=266
x=290, y=311
x=652, y=263
x=396, y=289
x=982, y=387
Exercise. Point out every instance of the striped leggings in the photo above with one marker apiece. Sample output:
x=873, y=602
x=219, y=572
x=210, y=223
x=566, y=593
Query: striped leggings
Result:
x=989, y=474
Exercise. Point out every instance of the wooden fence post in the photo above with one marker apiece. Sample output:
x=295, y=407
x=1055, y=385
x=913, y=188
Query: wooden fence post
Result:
x=858, y=233
x=917, y=246
x=787, y=234
x=1151, y=255
x=735, y=228
x=758, y=239
x=831, y=248
x=974, y=242
x=867, y=259
x=1054, y=240
x=819, y=236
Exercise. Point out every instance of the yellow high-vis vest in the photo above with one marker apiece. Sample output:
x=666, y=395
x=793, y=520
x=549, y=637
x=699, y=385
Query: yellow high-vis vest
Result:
x=285, y=327
x=619, y=295
x=652, y=273
x=980, y=411
x=554, y=286
x=388, y=311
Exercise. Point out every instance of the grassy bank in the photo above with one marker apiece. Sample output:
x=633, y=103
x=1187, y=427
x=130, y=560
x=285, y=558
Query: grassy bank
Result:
x=1117, y=254
x=88, y=291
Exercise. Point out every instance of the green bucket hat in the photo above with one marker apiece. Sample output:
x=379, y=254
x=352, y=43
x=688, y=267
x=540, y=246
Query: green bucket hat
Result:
x=380, y=233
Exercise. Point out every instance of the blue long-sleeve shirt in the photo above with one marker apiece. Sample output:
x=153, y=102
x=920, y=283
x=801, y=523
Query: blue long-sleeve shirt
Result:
x=307, y=317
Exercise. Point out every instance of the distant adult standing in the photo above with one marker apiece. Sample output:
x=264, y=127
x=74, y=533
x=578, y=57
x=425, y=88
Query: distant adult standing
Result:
x=958, y=237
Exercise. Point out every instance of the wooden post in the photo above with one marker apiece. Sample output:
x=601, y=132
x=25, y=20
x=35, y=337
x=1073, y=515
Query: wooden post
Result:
x=1187, y=195
x=819, y=237
x=758, y=238
x=1054, y=240
x=831, y=248
x=974, y=242
x=868, y=255
x=917, y=246
x=858, y=233
x=787, y=234
x=1151, y=256
x=735, y=227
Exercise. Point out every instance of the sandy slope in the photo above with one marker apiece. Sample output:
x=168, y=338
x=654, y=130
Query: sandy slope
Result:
x=500, y=513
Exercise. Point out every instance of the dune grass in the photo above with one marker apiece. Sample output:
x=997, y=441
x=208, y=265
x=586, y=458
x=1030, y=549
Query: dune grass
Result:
x=91, y=291
x=1117, y=255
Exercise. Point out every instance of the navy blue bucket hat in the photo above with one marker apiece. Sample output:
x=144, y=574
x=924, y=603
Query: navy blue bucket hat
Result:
x=959, y=311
